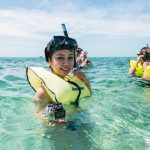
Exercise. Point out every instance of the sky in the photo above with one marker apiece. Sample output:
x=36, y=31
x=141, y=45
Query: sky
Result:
x=110, y=28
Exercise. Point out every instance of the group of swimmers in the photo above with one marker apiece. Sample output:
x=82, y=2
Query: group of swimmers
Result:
x=140, y=67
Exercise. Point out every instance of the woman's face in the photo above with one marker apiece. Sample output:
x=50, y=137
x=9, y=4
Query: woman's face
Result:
x=83, y=56
x=62, y=63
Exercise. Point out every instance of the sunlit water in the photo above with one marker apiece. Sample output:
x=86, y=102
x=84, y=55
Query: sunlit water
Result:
x=115, y=117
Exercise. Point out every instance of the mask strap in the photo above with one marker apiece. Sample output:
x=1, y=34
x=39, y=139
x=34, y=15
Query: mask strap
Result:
x=75, y=64
x=46, y=54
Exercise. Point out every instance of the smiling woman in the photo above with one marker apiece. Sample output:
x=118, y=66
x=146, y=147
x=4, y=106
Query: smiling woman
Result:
x=58, y=85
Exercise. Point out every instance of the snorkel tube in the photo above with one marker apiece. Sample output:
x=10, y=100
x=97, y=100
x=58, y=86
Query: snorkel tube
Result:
x=147, y=45
x=66, y=35
x=64, y=30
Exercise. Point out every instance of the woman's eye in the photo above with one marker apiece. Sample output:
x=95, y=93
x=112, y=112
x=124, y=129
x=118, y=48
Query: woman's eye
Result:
x=61, y=58
x=70, y=58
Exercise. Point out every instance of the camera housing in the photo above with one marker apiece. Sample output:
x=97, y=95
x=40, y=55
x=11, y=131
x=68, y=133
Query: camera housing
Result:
x=54, y=111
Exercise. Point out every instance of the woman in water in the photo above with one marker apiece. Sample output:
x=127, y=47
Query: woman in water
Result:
x=139, y=61
x=61, y=63
x=60, y=58
x=143, y=61
x=146, y=64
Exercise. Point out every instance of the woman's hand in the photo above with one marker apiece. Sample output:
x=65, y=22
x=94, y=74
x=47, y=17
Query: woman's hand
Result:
x=139, y=58
x=81, y=75
x=89, y=62
x=83, y=63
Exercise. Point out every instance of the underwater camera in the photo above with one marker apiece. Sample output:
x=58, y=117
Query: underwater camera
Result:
x=147, y=57
x=54, y=111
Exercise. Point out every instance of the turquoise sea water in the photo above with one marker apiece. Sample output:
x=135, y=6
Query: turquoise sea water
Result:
x=115, y=117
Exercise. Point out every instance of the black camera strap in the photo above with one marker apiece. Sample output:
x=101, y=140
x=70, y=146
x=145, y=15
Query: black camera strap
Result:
x=78, y=89
x=56, y=99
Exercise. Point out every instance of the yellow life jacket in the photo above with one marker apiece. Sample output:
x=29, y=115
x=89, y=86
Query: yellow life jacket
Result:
x=139, y=69
x=63, y=91
x=148, y=71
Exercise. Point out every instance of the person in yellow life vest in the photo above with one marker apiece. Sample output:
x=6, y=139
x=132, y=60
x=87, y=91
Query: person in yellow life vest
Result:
x=137, y=66
x=61, y=60
x=146, y=65
x=57, y=85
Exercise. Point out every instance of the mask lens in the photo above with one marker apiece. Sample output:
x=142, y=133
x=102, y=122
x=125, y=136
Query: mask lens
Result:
x=67, y=45
x=61, y=42
x=58, y=41
x=71, y=42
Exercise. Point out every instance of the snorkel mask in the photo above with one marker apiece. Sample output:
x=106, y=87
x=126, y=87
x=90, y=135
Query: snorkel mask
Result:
x=59, y=43
x=147, y=53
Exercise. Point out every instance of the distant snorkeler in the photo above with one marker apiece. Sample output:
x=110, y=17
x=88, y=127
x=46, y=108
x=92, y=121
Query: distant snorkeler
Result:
x=83, y=60
x=78, y=52
x=140, y=66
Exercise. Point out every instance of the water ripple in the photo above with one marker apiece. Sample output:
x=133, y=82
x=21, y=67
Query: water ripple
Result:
x=13, y=78
x=4, y=84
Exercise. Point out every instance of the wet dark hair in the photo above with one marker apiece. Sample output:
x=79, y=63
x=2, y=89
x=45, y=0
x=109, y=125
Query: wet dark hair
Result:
x=49, y=53
x=78, y=50
x=59, y=43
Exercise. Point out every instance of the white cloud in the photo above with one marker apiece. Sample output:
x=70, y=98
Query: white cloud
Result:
x=122, y=19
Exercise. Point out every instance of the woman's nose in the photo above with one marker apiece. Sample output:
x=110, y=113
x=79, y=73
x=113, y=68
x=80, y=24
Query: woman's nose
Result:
x=66, y=62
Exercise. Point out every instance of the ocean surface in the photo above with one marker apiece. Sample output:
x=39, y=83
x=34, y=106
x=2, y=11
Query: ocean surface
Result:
x=115, y=117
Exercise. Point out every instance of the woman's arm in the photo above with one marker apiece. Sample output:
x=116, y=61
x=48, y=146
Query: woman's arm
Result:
x=132, y=69
x=145, y=65
x=83, y=63
x=42, y=94
x=77, y=62
x=89, y=61
x=80, y=61
x=41, y=100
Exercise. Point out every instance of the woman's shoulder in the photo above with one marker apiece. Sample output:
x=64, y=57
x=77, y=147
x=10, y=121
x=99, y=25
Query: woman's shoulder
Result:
x=42, y=94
